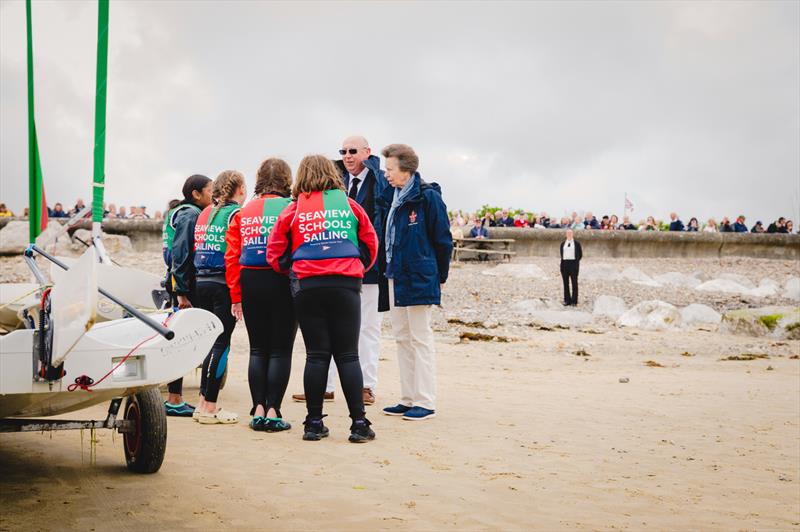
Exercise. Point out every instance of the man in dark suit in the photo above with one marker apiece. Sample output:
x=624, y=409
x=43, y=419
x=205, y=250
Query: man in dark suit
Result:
x=571, y=255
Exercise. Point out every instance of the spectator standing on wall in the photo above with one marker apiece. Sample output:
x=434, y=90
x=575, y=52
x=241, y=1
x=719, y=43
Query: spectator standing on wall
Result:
x=571, y=254
x=58, y=211
x=4, y=211
x=711, y=226
x=675, y=222
x=694, y=225
x=788, y=227
x=519, y=221
x=488, y=220
x=505, y=219
x=739, y=226
x=590, y=222
x=725, y=226
x=122, y=213
x=626, y=224
x=79, y=205
x=649, y=225
x=777, y=226
x=758, y=228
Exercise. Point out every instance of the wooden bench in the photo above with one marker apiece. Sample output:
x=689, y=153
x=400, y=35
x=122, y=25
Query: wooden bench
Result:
x=490, y=245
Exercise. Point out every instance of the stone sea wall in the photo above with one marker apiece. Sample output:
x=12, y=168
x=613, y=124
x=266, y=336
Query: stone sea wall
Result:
x=145, y=235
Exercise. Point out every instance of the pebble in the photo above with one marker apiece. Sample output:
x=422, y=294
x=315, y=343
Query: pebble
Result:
x=624, y=380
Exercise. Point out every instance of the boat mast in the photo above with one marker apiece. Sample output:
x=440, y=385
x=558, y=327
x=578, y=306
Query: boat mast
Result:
x=37, y=209
x=101, y=81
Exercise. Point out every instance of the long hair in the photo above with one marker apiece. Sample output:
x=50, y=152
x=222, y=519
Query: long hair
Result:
x=274, y=177
x=225, y=186
x=316, y=173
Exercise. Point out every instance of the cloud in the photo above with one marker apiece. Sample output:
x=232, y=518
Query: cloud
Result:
x=545, y=106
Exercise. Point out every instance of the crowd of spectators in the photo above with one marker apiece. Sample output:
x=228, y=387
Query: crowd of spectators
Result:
x=110, y=211
x=479, y=223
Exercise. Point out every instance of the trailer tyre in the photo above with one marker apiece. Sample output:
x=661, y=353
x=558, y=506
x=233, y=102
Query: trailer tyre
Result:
x=146, y=444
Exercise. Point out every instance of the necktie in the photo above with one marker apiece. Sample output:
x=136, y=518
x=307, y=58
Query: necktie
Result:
x=353, y=188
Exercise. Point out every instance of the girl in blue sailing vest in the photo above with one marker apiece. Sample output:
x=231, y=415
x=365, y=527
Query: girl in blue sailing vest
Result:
x=211, y=292
x=261, y=295
x=179, y=255
x=325, y=241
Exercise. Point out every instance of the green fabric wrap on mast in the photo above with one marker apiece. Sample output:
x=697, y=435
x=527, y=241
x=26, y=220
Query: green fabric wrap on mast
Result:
x=99, y=176
x=35, y=187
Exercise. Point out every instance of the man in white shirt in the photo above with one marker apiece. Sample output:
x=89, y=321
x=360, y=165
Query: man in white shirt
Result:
x=571, y=254
x=364, y=181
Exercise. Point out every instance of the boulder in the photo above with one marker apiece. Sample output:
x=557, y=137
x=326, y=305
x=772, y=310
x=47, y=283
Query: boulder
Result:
x=722, y=285
x=773, y=322
x=766, y=288
x=677, y=279
x=114, y=244
x=516, y=270
x=651, y=315
x=609, y=306
x=528, y=306
x=701, y=276
x=601, y=272
x=792, y=287
x=697, y=314
x=14, y=239
x=565, y=318
x=636, y=275
x=737, y=278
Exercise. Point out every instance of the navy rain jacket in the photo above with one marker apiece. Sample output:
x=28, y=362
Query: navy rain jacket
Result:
x=422, y=247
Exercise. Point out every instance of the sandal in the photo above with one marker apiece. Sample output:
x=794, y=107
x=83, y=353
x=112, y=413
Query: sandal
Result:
x=220, y=417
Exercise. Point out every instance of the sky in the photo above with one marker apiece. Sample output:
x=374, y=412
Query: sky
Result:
x=685, y=106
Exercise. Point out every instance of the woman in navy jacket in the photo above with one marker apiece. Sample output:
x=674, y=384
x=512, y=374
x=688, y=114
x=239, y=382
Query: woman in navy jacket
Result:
x=415, y=250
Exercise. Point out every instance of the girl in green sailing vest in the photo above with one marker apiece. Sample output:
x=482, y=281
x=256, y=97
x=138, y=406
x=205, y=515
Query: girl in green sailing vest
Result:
x=211, y=292
x=179, y=254
x=262, y=295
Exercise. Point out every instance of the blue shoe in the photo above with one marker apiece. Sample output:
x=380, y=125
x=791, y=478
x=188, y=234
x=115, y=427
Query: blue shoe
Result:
x=258, y=423
x=418, y=413
x=397, y=410
x=183, y=409
x=276, y=424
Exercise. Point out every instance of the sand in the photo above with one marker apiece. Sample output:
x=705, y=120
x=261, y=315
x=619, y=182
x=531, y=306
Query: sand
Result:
x=528, y=436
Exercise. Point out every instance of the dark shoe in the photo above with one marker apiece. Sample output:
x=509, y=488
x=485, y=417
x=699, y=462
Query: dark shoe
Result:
x=301, y=397
x=258, y=423
x=315, y=430
x=368, y=396
x=418, y=413
x=360, y=431
x=276, y=424
x=397, y=410
x=183, y=409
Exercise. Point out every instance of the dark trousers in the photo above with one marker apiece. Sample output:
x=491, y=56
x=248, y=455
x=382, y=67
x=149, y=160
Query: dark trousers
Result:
x=213, y=297
x=569, y=272
x=330, y=319
x=271, y=327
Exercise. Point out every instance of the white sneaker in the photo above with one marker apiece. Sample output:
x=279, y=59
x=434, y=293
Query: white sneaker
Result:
x=220, y=417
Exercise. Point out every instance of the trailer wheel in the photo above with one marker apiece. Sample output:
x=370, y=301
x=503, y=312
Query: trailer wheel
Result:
x=146, y=444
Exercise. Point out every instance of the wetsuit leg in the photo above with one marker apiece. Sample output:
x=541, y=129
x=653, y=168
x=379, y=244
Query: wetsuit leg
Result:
x=215, y=298
x=312, y=316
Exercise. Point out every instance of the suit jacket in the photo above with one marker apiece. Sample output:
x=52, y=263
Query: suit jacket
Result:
x=578, y=251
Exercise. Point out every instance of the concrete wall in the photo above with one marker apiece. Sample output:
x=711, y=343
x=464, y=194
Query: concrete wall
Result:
x=642, y=244
x=145, y=236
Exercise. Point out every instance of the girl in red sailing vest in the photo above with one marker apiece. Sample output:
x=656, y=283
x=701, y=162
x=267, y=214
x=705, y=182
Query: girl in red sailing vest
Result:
x=179, y=256
x=262, y=295
x=211, y=292
x=325, y=241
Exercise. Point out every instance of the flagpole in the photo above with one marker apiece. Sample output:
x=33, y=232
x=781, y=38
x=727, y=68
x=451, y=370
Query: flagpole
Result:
x=101, y=81
x=37, y=212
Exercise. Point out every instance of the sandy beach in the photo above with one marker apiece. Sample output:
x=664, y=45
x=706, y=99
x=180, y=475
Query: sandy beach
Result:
x=537, y=433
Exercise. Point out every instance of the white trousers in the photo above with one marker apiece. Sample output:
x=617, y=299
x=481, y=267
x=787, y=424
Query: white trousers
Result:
x=369, y=340
x=416, y=354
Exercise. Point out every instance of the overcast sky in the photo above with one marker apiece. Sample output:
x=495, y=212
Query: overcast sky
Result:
x=690, y=106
